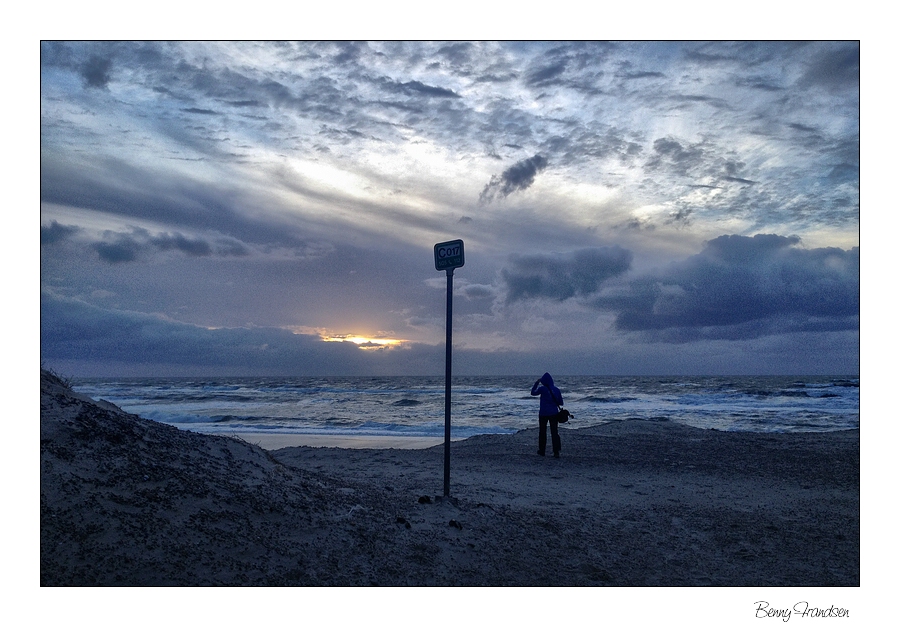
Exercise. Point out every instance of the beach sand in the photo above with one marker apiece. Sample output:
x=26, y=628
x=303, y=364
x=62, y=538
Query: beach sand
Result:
x=126, y=501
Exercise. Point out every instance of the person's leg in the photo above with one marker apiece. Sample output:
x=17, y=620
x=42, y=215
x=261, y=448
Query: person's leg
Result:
x=542, y=434
x=554, y=435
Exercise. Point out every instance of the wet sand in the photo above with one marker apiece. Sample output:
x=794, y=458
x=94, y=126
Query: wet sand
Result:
x=280, y=441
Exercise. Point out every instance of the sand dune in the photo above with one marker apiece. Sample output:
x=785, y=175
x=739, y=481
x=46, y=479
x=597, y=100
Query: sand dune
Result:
x=126, y=501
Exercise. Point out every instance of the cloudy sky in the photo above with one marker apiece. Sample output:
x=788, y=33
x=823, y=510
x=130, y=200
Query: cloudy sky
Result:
x=627, y=208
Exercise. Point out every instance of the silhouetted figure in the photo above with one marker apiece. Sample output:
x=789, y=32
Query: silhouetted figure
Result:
x=551, y=401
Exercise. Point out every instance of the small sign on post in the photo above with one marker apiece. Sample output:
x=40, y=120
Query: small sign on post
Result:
x=448, y=256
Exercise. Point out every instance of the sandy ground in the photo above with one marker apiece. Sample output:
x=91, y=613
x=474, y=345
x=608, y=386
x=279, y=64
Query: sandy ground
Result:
x=125, y=501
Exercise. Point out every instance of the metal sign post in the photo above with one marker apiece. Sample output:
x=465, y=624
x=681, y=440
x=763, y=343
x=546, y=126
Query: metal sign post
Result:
x=448, y=256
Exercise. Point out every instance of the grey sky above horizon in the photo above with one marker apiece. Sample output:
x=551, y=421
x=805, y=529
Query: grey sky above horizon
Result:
x=630, y=207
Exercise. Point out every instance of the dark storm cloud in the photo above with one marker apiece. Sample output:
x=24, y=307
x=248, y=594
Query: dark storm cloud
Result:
x=56, y=232
x=423, y=89
x=672, y=155
x=743, y=286
x=118, y=250
x=546, y=75
x=457, y=53
x=350, y=52
x=177, y=241
x=95, y=72
x=560, y=277
x=120, y=247
x=517, y=177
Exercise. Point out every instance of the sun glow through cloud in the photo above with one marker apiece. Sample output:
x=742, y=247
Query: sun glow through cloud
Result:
x=365, y=342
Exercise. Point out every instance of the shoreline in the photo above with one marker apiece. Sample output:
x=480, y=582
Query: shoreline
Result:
x=271, y=442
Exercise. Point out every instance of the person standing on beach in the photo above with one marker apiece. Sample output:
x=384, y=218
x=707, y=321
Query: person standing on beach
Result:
x=551, y=401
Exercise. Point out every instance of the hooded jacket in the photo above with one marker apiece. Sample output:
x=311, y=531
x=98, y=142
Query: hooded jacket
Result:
x=543, y=388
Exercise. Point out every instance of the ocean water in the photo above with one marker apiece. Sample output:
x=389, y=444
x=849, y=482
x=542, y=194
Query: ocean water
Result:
x=414, y=406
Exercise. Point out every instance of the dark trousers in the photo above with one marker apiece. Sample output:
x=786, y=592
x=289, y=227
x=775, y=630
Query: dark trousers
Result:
x=554, y=433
